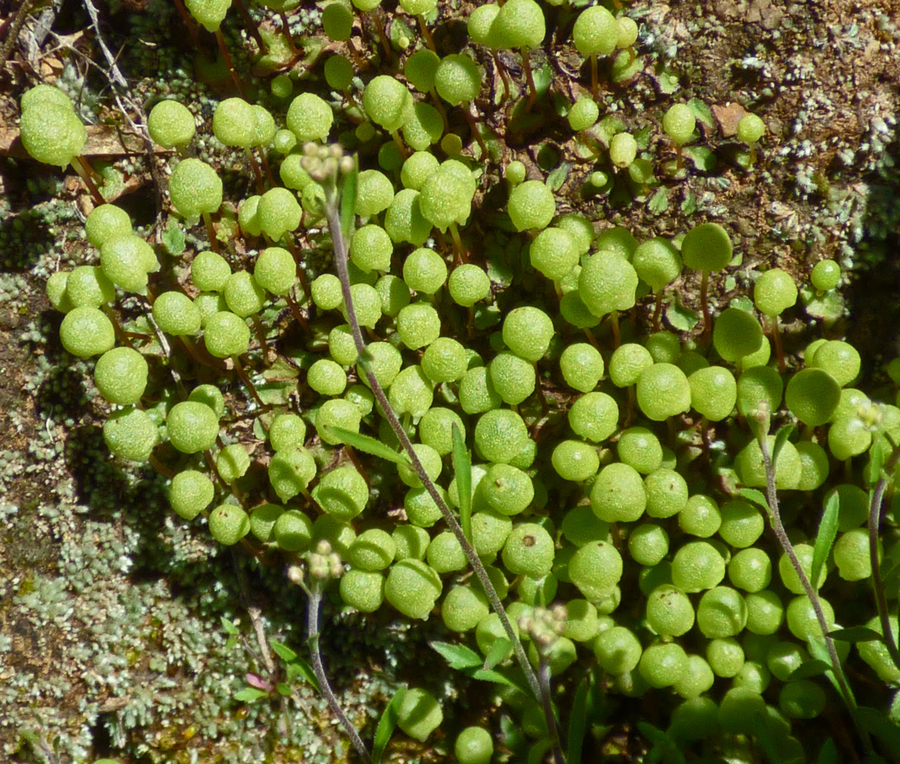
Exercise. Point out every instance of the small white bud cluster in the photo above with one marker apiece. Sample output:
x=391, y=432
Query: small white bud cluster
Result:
x=323, y=163
x=325, y=564
x=544, y=625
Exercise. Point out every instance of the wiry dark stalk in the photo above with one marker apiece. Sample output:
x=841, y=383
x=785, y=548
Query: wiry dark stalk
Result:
x=312, y=626
x=784, y=541
x=877, y=583
x=332, y=215
x=546, y=704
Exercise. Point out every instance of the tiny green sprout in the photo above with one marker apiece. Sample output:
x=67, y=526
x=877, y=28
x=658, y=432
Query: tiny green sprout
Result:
x=226, y=335
x=106, y=222
x=679, y=124
x=234, y=123
x=825, y=275
x=275, y=271
x=309, y=118
x=419, y=713
x=209, y=272
x=171, y=124
x=228, y=524
x=176, y=314
x=520, y=24
x=583, y=114
x=554, y=252
x=195, y=188
x=706, y=248
x=121, y=376
x=388, y=103
x=337, y=21
x=86, y=332
x=87, y=285
x=531, y=205
x=420, y=69
x=52, y=133
x=278, y=213
x=622, y=150
x=595, y=34
x=130, y=434
x=750, y=130
x=737, y=333
x=515, y=173
x=190, y=493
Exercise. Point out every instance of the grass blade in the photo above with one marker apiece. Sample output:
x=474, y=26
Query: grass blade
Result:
x=370, y=446
x=386, y=725
x=462, y=466
x=578, y=724
x=828, y=528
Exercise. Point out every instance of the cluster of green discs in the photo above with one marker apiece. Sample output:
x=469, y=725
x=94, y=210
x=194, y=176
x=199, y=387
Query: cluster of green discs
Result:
x=608, y=453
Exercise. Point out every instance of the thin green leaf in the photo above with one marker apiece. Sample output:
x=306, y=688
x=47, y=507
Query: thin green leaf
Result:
x=386, y=725
x=498, y=652
x=300, y=667
x=348, y=200
x=828, y=753
x=249, y=695
x=877, y=723
x=458, y=656
x=283, y=651
x=754, y=496
x=462, y=467
x=828, y=528
x=282, y=689
x=810, y=669
x=229, y=627
x=876, y=464
x=781, y=437
x=369, y=445
x=856, y=634
x=578, y=724
x=489, y=675
x=539, y=750
x=231, y=642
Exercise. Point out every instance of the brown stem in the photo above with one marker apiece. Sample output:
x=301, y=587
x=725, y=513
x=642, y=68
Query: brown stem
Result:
x=261, y=336
x=380, y=25
x=776, y=336
x=211, y=233
x=426, y=33
x=84, y=169
x=501, y=70
x=485, y=155
x=189, y=23
x=246, y=380
x=704, y=304
x=226, y=57
x=250, y=24
x=255, y=165
x=286, y=28
x=657, y=311
x=532, y=96
x=440, y=107
x=400, y=146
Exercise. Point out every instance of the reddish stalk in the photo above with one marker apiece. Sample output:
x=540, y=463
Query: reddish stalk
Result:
x=226, y=57
x=251, y=26
x=83, y=168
